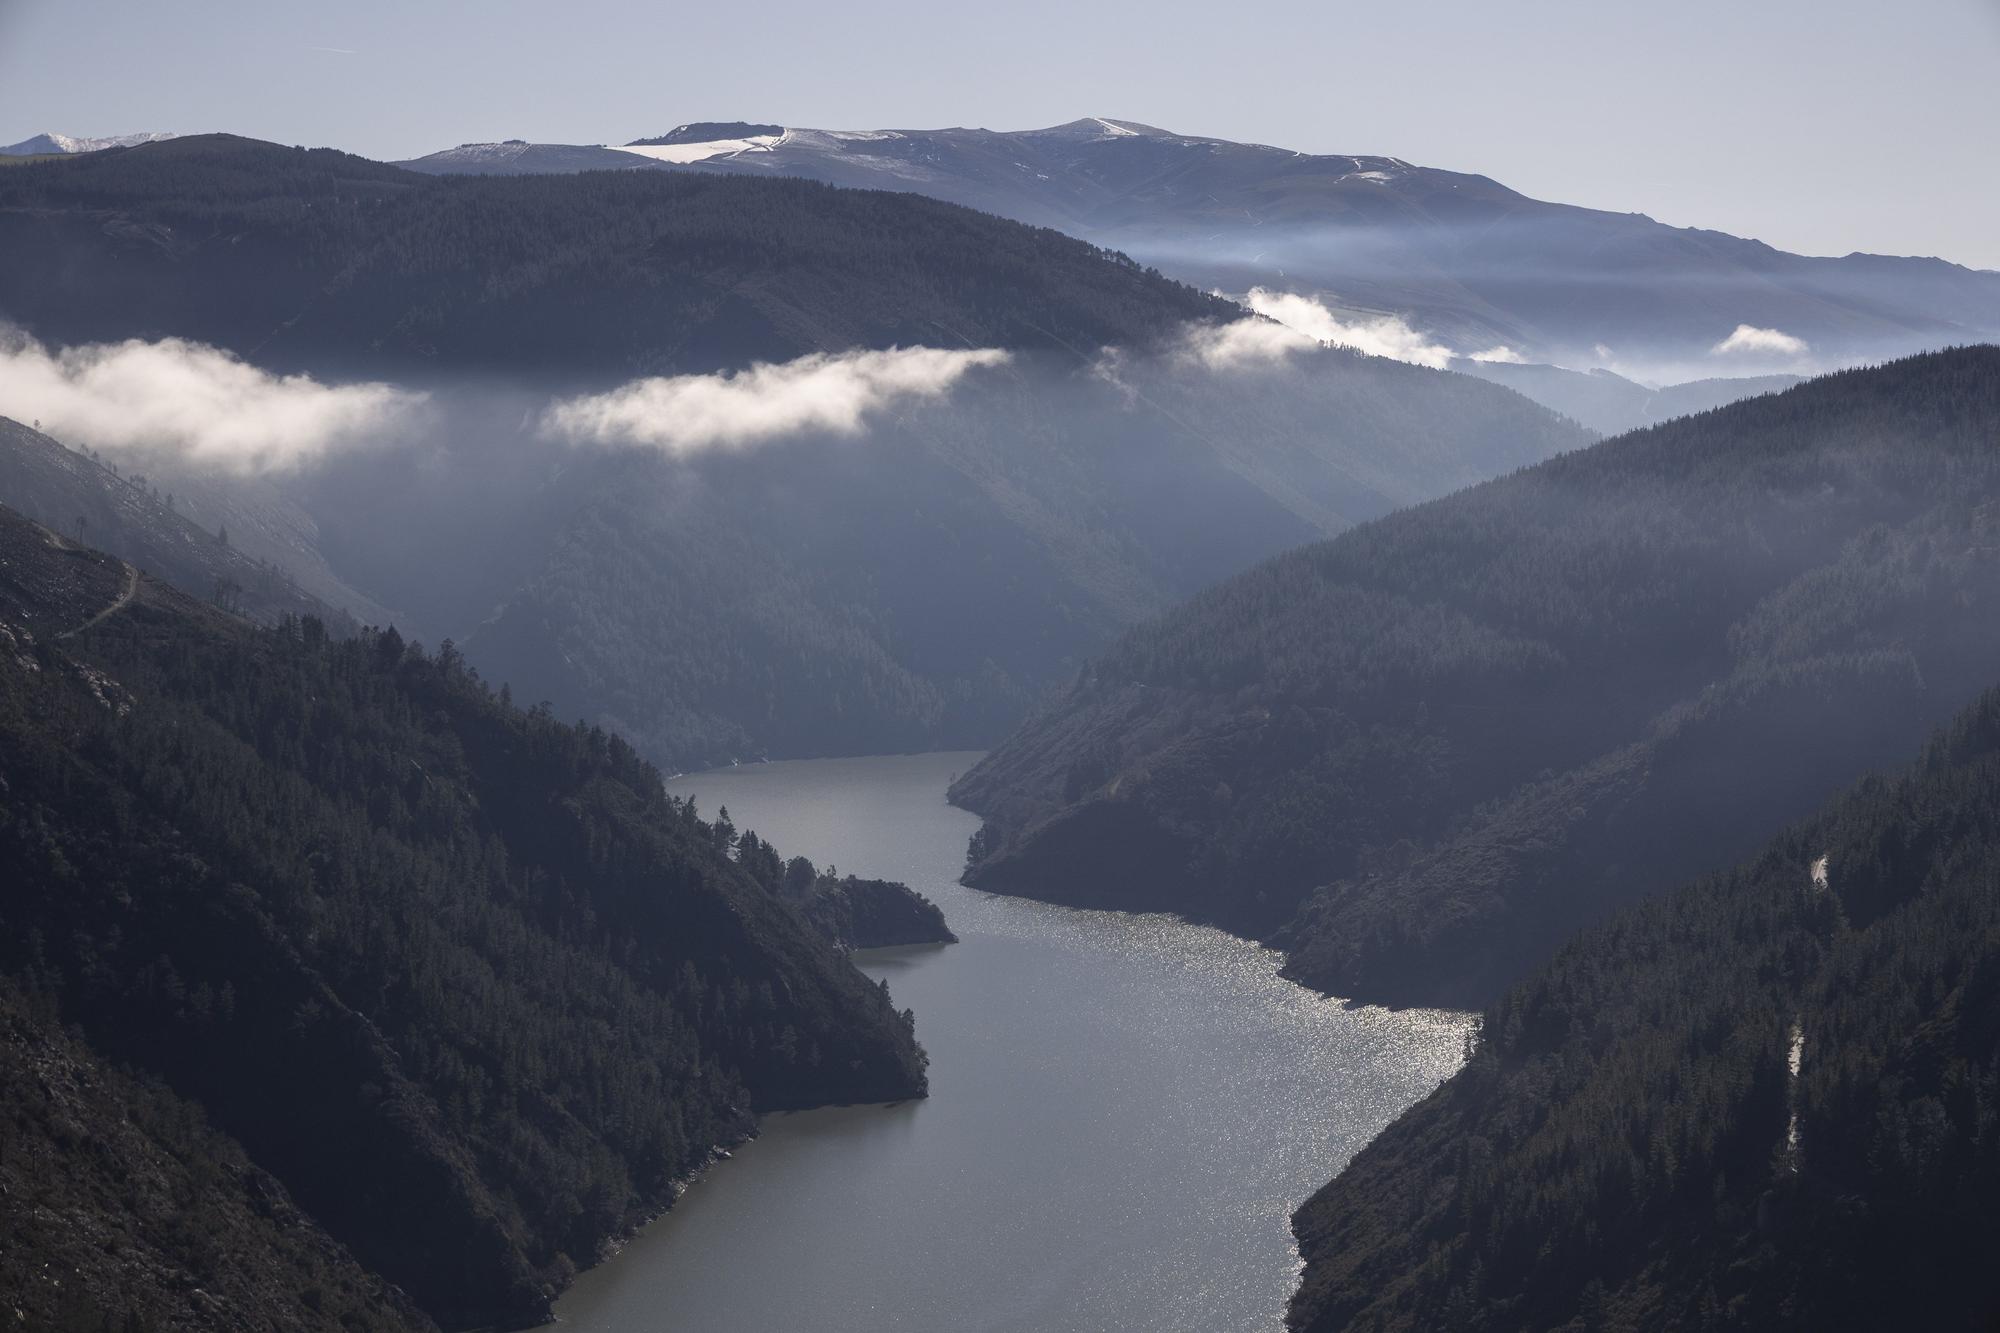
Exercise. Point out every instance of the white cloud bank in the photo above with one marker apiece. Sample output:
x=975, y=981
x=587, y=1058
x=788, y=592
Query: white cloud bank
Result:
x=1294, y=323
x=686, y=414
x=1241, y=343
x=1752, y=341
x=192, y=402
x=1379, y=335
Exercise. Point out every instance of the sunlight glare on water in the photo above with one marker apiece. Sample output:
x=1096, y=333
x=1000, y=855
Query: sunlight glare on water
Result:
x=1124, y=1111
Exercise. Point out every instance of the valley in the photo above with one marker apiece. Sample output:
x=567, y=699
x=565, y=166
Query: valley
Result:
x=1122, y=1112
x=715, y=725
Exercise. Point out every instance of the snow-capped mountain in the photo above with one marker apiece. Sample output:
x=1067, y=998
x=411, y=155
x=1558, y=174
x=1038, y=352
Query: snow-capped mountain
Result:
x=67, y=143
x=518, y=157
x=1462, y=259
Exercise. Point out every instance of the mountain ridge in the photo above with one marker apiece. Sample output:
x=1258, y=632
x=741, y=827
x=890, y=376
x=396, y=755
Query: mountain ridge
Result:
x=465, y=980
x=1375, y=234
x=1419, y=754
x=1759, y=1101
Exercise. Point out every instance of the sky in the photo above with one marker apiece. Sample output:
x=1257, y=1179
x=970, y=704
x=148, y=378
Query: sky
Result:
x=1821, y=126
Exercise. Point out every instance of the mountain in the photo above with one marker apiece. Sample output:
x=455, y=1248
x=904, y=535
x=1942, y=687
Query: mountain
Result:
x=1611, y=404
x=126, y=1210
x=920, y=586
x=1470, y=263
x=914, y=582
x=1766, y=1100
x=316, y=260
x=43, y=144
x=1421, y=754
x=465, y=982
x=518, y=157
x=129, y=516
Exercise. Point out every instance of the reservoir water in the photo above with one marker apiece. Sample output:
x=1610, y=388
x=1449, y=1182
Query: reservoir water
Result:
x=1124, y=1110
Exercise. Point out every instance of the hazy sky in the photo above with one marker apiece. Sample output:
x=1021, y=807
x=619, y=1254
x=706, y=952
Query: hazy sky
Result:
x=1818, y=125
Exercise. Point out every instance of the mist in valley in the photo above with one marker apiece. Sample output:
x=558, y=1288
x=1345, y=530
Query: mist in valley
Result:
x=938, y=535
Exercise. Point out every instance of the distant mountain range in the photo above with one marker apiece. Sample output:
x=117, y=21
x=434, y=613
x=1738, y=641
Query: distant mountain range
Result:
x=1468, y=262
x=320, y=260
x=43, y=144
x=1611, y=404
x=932, y=574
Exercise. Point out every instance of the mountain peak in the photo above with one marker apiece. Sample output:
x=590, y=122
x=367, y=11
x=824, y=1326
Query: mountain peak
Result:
x=42, y=144
x=1098, y=127
x=708, y=131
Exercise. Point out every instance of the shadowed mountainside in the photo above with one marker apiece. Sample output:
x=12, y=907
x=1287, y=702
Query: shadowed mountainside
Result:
x=463, y=979
x=1767, y=1100
x=1421, y=754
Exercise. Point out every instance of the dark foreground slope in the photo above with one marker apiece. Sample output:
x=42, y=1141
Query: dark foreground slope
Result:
x=124, y=1209
x=462, y=978
x=1769, y=1100
x=1429, y=749
x=322, y=261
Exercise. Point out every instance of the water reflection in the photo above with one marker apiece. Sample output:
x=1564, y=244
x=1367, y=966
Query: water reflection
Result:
x=1124, y=1111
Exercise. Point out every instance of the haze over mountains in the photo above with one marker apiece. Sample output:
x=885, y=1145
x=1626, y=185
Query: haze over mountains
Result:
x=1468, y=264
x=1017, y=443
x=343, y=984
x=1422, y=753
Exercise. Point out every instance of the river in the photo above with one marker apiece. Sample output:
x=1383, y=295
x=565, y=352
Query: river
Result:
x=1124, y=1110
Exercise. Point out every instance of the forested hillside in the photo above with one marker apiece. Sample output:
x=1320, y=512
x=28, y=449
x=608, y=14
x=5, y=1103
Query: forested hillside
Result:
x=1421, y=754
x=915, y=585
x=127, y=514
x=1467, y=261
x=322, y=261
x=463, y=979
x=1768, y=1100
x=920, y=586
x=1611, y=404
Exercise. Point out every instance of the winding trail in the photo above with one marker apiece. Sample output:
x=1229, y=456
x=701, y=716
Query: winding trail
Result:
x=119, y=603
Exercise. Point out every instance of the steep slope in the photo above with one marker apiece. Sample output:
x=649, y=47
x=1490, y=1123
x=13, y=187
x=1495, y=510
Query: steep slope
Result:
x=1765, y=1101
x=463, y=979
x=131, y=517
x=125, y=1210
x=1466, y=259
x=322, y=261
x=920, y=585
x=1422, y=753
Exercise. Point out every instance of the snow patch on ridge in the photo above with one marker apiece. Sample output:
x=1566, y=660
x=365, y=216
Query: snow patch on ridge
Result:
x=68, y=143
x=682, y=154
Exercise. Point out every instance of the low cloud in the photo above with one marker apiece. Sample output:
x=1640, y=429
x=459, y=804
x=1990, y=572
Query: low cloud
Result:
x=175, y=399
x=1749, y=340
x=1377, y=335
x=1503, y=355
x=1241, y=343
x=686, y=414
x=1292, y=323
